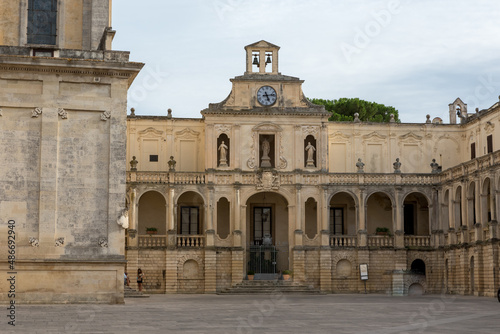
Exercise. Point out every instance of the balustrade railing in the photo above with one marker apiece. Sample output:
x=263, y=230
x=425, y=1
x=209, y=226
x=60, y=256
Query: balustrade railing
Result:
x=380, y=241
x=190, y=241
x=417, y=241
x=152, y=241
x=337, y=241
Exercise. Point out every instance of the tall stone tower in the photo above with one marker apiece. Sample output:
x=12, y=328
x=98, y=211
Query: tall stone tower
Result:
x=63, y=95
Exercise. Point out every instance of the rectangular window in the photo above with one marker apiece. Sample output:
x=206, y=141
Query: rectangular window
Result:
x=42, y=22
x=189, y=220
x=337, y=221
x=473, y=151
x=153, y=158
x=489, y=141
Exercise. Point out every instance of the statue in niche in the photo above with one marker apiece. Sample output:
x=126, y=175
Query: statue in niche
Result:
x=310, y=155
x=223, y=155
x=266, y=148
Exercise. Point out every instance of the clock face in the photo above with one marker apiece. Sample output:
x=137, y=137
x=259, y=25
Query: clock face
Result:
x=266, y=96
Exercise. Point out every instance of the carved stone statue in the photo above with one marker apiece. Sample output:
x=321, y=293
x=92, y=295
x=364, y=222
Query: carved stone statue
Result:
x=360, y=165
x=133, y=164
x=171, y=164
x=266, y=148
x=435, y=167
x=223, y=155
x=397, y=166
x=310, y=155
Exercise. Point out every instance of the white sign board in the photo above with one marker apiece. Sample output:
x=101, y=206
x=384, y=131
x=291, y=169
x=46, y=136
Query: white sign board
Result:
x=363, y=271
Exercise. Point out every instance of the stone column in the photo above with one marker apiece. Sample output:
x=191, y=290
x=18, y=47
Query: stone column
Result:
x=324, y=232
x=133, y=220
x=298, y=212
x=325, y=268
x=210, y=269
x=171, y=271
x=362, y=231
x=170, y=211
x=399, y=238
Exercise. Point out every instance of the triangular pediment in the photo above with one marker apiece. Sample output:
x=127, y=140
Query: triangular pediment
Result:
x=262, y=44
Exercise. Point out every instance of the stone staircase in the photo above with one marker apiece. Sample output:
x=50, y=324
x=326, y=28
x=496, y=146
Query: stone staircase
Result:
x=271, y=287
x=131, y=293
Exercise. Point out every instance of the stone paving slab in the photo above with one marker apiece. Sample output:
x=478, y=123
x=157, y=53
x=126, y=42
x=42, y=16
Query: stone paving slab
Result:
x=271, y=314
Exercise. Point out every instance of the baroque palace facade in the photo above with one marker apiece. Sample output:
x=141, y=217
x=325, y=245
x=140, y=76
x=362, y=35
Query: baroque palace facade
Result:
x=264, y=182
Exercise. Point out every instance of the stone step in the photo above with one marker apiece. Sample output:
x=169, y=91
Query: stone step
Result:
x=270, y=287
x=131, y=293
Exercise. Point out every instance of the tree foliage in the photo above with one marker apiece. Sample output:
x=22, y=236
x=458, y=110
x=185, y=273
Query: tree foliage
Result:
x=343, y=110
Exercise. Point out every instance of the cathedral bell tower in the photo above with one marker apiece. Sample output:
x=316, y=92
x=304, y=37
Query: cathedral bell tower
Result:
x=63, y=100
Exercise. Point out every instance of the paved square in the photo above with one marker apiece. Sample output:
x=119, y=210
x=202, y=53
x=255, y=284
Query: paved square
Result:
x=265, y=314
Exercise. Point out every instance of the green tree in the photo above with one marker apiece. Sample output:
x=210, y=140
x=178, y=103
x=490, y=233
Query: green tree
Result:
x=343, y=110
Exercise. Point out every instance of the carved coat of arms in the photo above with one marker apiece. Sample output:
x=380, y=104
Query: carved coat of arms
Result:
x=268, y=180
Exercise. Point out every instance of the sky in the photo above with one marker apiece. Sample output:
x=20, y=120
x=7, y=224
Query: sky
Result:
x=415, y=55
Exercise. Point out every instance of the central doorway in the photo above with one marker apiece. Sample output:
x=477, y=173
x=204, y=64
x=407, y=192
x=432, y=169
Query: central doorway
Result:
x=267, y=234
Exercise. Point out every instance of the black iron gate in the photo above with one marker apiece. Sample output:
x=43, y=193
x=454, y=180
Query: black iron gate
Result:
x=262, y=259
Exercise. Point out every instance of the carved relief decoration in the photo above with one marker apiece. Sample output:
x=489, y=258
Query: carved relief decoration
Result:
x=1, y=112
x=410, y=136
x=103, y=242
x=106, y=115
x=149, y=132
x=310, y=130
x=340, y=137
x=59, y=242
x=63, y=113
x=36, y=112
x=488, y=127
x=187, y=134
x=33, y=242
x=268, y=180
x=222, y=128
x=251, y=160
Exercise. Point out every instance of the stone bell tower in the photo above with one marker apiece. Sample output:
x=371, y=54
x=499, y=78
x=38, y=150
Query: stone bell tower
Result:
x=63, y=97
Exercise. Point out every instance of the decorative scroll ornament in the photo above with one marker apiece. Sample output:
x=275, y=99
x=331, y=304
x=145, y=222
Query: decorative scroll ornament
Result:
x=33, y=242
x=268, y=180
x=251, y=161
x=36, y=112
x=123, y=219
x=59, y=242
x=283, y=162
x=103, y=243
x=1, y=112
x=106, y=115
x=63, y=113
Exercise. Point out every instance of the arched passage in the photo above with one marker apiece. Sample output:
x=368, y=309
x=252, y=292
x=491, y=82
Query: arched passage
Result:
x=445, y=212
x=471, y=205
x=416, y=214
x=418, y=267
x=267, y=233
x=152, y=213
x=487, y=203
x=378, y=212
x=190, y=213
x=457, y=207
x=342, y=214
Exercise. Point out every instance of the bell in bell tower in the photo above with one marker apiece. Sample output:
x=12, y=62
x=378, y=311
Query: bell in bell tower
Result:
x=262, y=58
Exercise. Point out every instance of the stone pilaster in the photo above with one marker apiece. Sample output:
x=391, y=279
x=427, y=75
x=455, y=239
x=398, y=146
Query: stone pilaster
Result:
x=325, y=269
x=171, y=271
x=237, y=269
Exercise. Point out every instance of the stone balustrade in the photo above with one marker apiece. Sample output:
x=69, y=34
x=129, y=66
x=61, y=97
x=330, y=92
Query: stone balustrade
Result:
x=417, y=241
x=190, y=241
x=146, y=241
x=380, y=241
x=339, y=241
